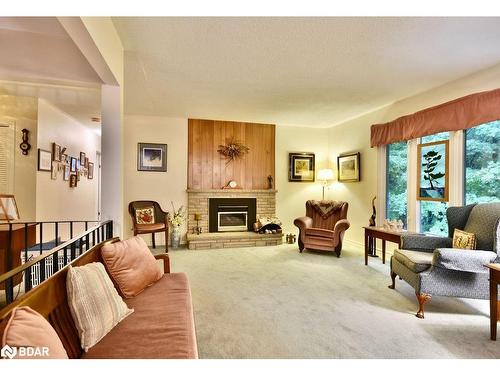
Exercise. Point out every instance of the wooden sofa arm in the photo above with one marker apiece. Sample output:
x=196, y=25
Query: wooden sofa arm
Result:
x=166, y=262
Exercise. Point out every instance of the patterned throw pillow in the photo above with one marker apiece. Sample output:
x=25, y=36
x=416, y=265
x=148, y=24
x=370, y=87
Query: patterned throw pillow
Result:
x=464, y=240
x=145, y=215
x=94, y=303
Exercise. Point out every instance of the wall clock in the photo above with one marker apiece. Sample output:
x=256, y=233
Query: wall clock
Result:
x=25, y=146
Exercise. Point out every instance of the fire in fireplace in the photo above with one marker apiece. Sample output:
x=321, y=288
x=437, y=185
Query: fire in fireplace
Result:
x=231, y=214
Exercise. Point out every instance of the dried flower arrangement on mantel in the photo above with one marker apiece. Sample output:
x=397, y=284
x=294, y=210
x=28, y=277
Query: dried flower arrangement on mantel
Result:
x=233, y=150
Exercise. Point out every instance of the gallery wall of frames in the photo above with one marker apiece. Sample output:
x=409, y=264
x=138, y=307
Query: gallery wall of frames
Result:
x=70, y=168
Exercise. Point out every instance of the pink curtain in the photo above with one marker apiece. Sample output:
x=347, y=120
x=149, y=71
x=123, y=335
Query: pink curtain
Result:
x=458, y=114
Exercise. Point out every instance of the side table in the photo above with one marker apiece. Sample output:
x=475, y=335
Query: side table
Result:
x=494, y=305
x=371, y=235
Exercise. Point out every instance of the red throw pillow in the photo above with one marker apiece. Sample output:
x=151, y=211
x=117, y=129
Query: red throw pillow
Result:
x=30, y=335
x=131, y=265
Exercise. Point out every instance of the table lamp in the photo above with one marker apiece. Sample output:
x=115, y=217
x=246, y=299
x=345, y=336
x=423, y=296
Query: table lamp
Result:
x=325, y=175
x=8, y=208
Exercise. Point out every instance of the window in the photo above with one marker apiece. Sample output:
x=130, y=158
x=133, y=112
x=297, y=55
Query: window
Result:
x=433, y=214
x=482, y=167
x=396, y=184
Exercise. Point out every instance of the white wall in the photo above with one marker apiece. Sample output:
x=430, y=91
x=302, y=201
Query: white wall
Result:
x=22, y=111
x=292, y=196
x=354, y=135
x=162, y=187
x=55, y=199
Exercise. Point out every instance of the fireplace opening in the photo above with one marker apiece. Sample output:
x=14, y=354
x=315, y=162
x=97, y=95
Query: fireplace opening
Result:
x=231, y=214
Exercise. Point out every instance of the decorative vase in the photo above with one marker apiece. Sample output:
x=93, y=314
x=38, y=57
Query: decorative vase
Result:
x=175, y=237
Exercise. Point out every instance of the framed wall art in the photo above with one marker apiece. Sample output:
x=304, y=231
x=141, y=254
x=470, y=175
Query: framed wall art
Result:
x=90, y=174
x=432, y=171
x=152, y=157
x=72, y=164
x=348, y=167
x=56, y=152
x=82, y=158
x=73, y=180
x=66, y=173
x=55, y=169
x=301, y=167
x=44, y=160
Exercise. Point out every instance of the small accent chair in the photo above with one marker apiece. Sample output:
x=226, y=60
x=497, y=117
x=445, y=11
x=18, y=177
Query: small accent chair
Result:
x=432, y=267
x=323, y=226
x=160, y=220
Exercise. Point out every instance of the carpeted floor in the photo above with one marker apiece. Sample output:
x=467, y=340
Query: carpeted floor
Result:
x=272, y=302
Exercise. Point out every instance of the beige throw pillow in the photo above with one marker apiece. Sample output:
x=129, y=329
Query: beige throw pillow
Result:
x=95, y=304
x=464, y=240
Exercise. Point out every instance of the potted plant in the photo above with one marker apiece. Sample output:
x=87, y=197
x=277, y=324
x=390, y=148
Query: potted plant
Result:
x=176, y=219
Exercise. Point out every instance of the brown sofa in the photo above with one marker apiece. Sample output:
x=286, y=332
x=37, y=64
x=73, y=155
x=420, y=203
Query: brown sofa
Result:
x=323, y=226
x=162, y=325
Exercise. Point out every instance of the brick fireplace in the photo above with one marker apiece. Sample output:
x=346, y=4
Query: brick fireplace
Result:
x=198, y=203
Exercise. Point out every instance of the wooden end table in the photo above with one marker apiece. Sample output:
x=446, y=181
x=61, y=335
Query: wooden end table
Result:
x=371, y=235
x=494, y=303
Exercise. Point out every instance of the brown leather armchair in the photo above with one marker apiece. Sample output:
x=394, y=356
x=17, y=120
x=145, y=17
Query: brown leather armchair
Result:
x=160, y=220
x=323, y=226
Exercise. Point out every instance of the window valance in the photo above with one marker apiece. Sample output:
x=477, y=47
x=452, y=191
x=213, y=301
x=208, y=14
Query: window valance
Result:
x=458, y=114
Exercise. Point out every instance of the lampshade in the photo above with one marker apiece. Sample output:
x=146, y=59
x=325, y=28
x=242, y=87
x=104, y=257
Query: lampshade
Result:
x=8, y=208
x=325, y=174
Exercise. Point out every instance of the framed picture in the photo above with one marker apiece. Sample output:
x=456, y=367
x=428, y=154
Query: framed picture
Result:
x=82, y=158
x=73, y=180
x=44, y=160
x=432, y=171
x=56, y=152
x=86, y=164
x=301, y=167
x=91, y=171
x=152, y=157
x=348, y=167
x=78, y=164
x=66, y=173
x=72, y=164
x=55, y=169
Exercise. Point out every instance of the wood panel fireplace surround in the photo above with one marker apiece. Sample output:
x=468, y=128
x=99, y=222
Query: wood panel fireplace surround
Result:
x=228, y=215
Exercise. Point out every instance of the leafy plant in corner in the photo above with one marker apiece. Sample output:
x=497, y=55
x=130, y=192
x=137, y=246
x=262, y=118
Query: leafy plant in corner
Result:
x=431, y=161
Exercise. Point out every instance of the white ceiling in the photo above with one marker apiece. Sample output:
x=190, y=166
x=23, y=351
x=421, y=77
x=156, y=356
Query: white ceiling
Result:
x=295, y=71
x=38, y=49
x=39, y=59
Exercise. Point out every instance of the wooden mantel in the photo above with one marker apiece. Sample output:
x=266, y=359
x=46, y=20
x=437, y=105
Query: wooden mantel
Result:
x=207, y=169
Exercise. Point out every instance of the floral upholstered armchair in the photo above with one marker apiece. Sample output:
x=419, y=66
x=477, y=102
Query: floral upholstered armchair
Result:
x=148, y=217
x=324, y=226
x=432, y=266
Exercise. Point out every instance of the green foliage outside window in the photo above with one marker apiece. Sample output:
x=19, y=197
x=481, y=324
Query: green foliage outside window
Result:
x=482, y=167
x=396, y=185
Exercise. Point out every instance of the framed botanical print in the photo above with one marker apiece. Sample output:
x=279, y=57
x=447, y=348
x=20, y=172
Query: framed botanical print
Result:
x=44, y=160
x=433, y=171
x=66, y=173
x=55, y=170
x=82, y=158
x=348, y=167
x=152, y=157
x=73, y=180
x=301, y=167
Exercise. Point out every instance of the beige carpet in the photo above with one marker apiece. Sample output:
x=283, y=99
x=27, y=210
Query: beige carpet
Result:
x=272, y=302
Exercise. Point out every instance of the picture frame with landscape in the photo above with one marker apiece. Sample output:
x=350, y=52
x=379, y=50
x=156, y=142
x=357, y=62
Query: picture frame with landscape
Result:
x=349, y=167
x=433, y=171
x=301, y=167
x=152, y=157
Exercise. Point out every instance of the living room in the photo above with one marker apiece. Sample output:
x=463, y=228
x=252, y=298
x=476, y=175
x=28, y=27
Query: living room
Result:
x=271, y=187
